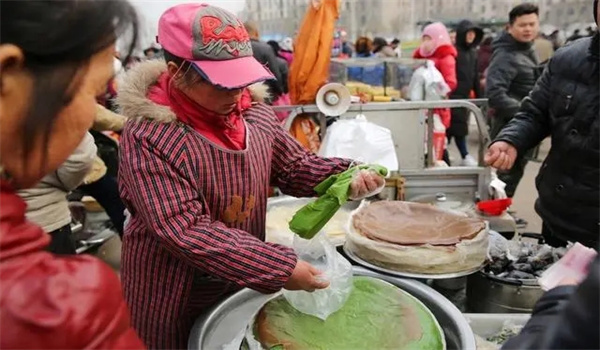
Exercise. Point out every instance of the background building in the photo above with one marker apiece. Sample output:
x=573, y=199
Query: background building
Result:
x=400, y=18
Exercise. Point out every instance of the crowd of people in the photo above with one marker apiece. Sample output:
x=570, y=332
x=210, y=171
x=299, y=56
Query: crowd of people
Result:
x=200, y=145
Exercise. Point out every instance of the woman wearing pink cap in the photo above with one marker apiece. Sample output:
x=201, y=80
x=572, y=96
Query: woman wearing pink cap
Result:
x=197, y=161
x=436, y=45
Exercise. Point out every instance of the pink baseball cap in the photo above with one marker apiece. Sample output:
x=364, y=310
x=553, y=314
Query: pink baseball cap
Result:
x=214, y=41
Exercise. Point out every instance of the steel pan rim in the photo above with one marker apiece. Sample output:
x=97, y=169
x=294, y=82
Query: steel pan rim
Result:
x=204, y=324
x=527, y=283
x=421, y=276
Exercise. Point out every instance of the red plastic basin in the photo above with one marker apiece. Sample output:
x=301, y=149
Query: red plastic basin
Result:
x=494, y=207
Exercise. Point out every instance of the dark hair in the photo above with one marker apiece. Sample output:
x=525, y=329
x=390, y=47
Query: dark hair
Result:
x=190, y=76
x=522, y=10
x=363, y=46
x=396, y=41
x=58, y=38
x=151, y=49
x=379, y=44
x=275, y=46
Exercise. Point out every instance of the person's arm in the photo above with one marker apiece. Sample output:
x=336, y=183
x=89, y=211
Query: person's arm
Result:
x=566, y=317
x=284, y=76
x=171, y=206
x=532, y=123
x=501, y=72
x=74, y=170
x=447, y=67
x=476, y=81
x=107, y=120
x=66, y=303
x=294, y=169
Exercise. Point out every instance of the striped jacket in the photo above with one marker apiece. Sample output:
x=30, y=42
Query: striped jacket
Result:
x=198, y=211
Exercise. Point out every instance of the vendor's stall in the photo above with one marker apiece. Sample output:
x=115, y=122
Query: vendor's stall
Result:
x=375, y=79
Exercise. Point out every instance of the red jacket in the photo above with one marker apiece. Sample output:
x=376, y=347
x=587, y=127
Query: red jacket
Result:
x=51, y=302
x=444, y=59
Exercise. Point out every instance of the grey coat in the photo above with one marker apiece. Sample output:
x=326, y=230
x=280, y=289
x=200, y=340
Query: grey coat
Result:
x=47, y=204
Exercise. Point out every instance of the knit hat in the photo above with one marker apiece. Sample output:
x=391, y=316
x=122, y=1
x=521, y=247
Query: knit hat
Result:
x=439, y=35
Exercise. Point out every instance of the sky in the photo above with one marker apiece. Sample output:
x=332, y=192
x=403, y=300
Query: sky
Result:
x=150, y=11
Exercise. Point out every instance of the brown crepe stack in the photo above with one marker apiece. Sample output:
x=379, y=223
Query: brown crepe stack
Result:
x=417, y=238
x=414, y=224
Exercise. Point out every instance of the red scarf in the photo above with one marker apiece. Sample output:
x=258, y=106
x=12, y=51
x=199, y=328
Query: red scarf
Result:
x=228, y=131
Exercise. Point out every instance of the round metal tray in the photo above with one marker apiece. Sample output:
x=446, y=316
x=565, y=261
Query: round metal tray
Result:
x=222, y=323
x=420, y=276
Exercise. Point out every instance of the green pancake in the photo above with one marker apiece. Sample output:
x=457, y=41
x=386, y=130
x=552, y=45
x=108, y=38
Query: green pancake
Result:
x=377, y=315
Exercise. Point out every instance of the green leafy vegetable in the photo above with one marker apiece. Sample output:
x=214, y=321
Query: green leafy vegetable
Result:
x=333, y=193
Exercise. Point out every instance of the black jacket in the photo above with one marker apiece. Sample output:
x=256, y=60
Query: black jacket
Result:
x=564, y=105
x=466, y=74
x=511, y=75
x=283, y=71
x=565, y=317
x=466, y=61
x=265, y=55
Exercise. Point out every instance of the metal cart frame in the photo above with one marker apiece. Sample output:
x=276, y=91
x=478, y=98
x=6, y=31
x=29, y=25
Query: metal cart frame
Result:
x=472, y=105
x=423, y=180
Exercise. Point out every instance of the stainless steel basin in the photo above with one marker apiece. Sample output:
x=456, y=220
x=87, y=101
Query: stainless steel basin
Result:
x=220, y=325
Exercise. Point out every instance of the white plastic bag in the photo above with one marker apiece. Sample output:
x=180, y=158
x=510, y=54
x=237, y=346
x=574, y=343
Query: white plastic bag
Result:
x=321, y=303
x=427, y=84
x=496, y=188
x=361, y=140
x=365, y=172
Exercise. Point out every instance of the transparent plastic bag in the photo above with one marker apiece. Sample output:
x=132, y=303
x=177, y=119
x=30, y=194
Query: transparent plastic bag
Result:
x=498, y=247
x=574, y=265
x=366, y=172
x=319, y=252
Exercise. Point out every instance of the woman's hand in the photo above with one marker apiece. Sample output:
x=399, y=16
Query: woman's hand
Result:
x=305, y=277
x=366, y=184
x=501, y=155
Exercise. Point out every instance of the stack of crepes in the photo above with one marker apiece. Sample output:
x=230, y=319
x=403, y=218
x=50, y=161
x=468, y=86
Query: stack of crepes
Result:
x=416, y=238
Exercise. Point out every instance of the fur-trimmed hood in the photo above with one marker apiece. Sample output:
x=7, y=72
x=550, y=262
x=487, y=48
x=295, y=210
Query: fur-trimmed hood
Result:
x=133, y=89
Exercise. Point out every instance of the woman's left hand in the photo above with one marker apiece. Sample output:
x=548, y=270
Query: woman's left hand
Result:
x=366, y=183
